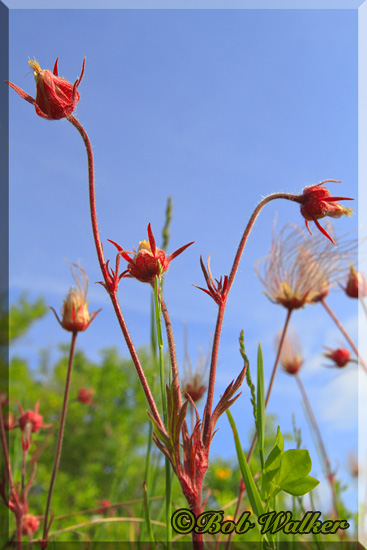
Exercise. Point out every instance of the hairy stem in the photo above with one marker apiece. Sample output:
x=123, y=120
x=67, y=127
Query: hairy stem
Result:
x=105, y=273
x=61, y=434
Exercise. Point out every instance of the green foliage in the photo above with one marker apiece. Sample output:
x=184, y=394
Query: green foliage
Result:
x=24, y=314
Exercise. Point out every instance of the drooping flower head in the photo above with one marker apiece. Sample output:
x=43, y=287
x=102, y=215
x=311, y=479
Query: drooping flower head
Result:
x=149, y=261
x=356, y=285
x=75, y=315
x=56, y=97
x=300, y=270
x=317, y=202
x=30, y=422
x=30, y=524
x=339, y=356
x=85, y=396
x=195, y=381
x=291, y=354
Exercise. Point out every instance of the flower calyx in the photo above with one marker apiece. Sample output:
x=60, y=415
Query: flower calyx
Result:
x=149, y=261
x=317, y=202
x=356, y=285
x=56, y=97
x=218, y=290
x=339, y=356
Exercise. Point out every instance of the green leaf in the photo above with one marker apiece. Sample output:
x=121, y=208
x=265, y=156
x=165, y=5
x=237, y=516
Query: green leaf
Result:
x=295, y=464
x=300, y=486
x=272, y=464
x=260, y=424
x=252, y=491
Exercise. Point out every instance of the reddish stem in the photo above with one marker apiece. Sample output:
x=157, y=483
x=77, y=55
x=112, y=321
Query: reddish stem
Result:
x=102, y=264
x=344, y=332
x=207, y=429
x=61, y=434
x=249, y=226
x=361, y=298
x=329, y=473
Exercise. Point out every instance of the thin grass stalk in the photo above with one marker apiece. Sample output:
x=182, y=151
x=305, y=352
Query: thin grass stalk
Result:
x=344, y=333
x=316, y=429
x=147, y=516
x=61, y=435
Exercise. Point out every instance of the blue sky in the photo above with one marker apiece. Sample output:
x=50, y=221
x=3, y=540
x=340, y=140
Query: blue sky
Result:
x=216, y=108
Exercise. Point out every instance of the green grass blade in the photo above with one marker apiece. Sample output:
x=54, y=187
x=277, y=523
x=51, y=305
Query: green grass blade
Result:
x=147, y=516
x=260, y=424
x=252, y=491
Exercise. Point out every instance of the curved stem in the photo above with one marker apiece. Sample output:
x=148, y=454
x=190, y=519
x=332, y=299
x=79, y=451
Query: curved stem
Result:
x=105, y=273
x=61, y=435
x=329, y=473
x=249, y=226
x=344, y=332
x=213, y=367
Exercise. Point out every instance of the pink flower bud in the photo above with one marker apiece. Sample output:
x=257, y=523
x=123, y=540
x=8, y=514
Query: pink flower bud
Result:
x=317, y=202
x=106, y=504
x=356, y=284
x=340, y=356
x=56, y=98
x=30, y=524
x=291, y=353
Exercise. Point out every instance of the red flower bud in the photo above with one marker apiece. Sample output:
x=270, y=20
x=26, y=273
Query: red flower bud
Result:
x=106, y=505
x=356, y=284
x=10, y=422
x=340, y=356
x=75, y=314
x=316, y=203
x=85, y=396
x=149, y=261
x=30, y=422
x=56, y=98
x=30, y=524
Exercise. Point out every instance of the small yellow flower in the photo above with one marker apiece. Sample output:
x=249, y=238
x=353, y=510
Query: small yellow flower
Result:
x=223, y=473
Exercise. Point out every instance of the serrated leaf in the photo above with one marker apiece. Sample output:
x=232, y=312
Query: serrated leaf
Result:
x=300, y=486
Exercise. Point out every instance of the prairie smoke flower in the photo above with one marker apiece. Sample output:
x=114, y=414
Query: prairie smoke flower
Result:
x=75, y=315
x=149, y=261
x=339, y=356
x=30, y=524
x=356, y=285
x=291, y=353
x=105, y=507
x=195, y=383
x=30, y=422
x=300, y=270
x=317, y=202
x=85, y=396
x=56, y=98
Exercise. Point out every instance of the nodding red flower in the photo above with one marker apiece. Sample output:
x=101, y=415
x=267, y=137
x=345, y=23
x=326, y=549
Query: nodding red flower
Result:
x=291, y=353
x=317, y=202
x=30, y=524
x=218, y=290
x=85, y=396
x=195, y=383
x=56, y=98
x=356, y=285
x=340, y=356
x=75, y=314
x=106, y=505
x=149, y=261
x=30, y=422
